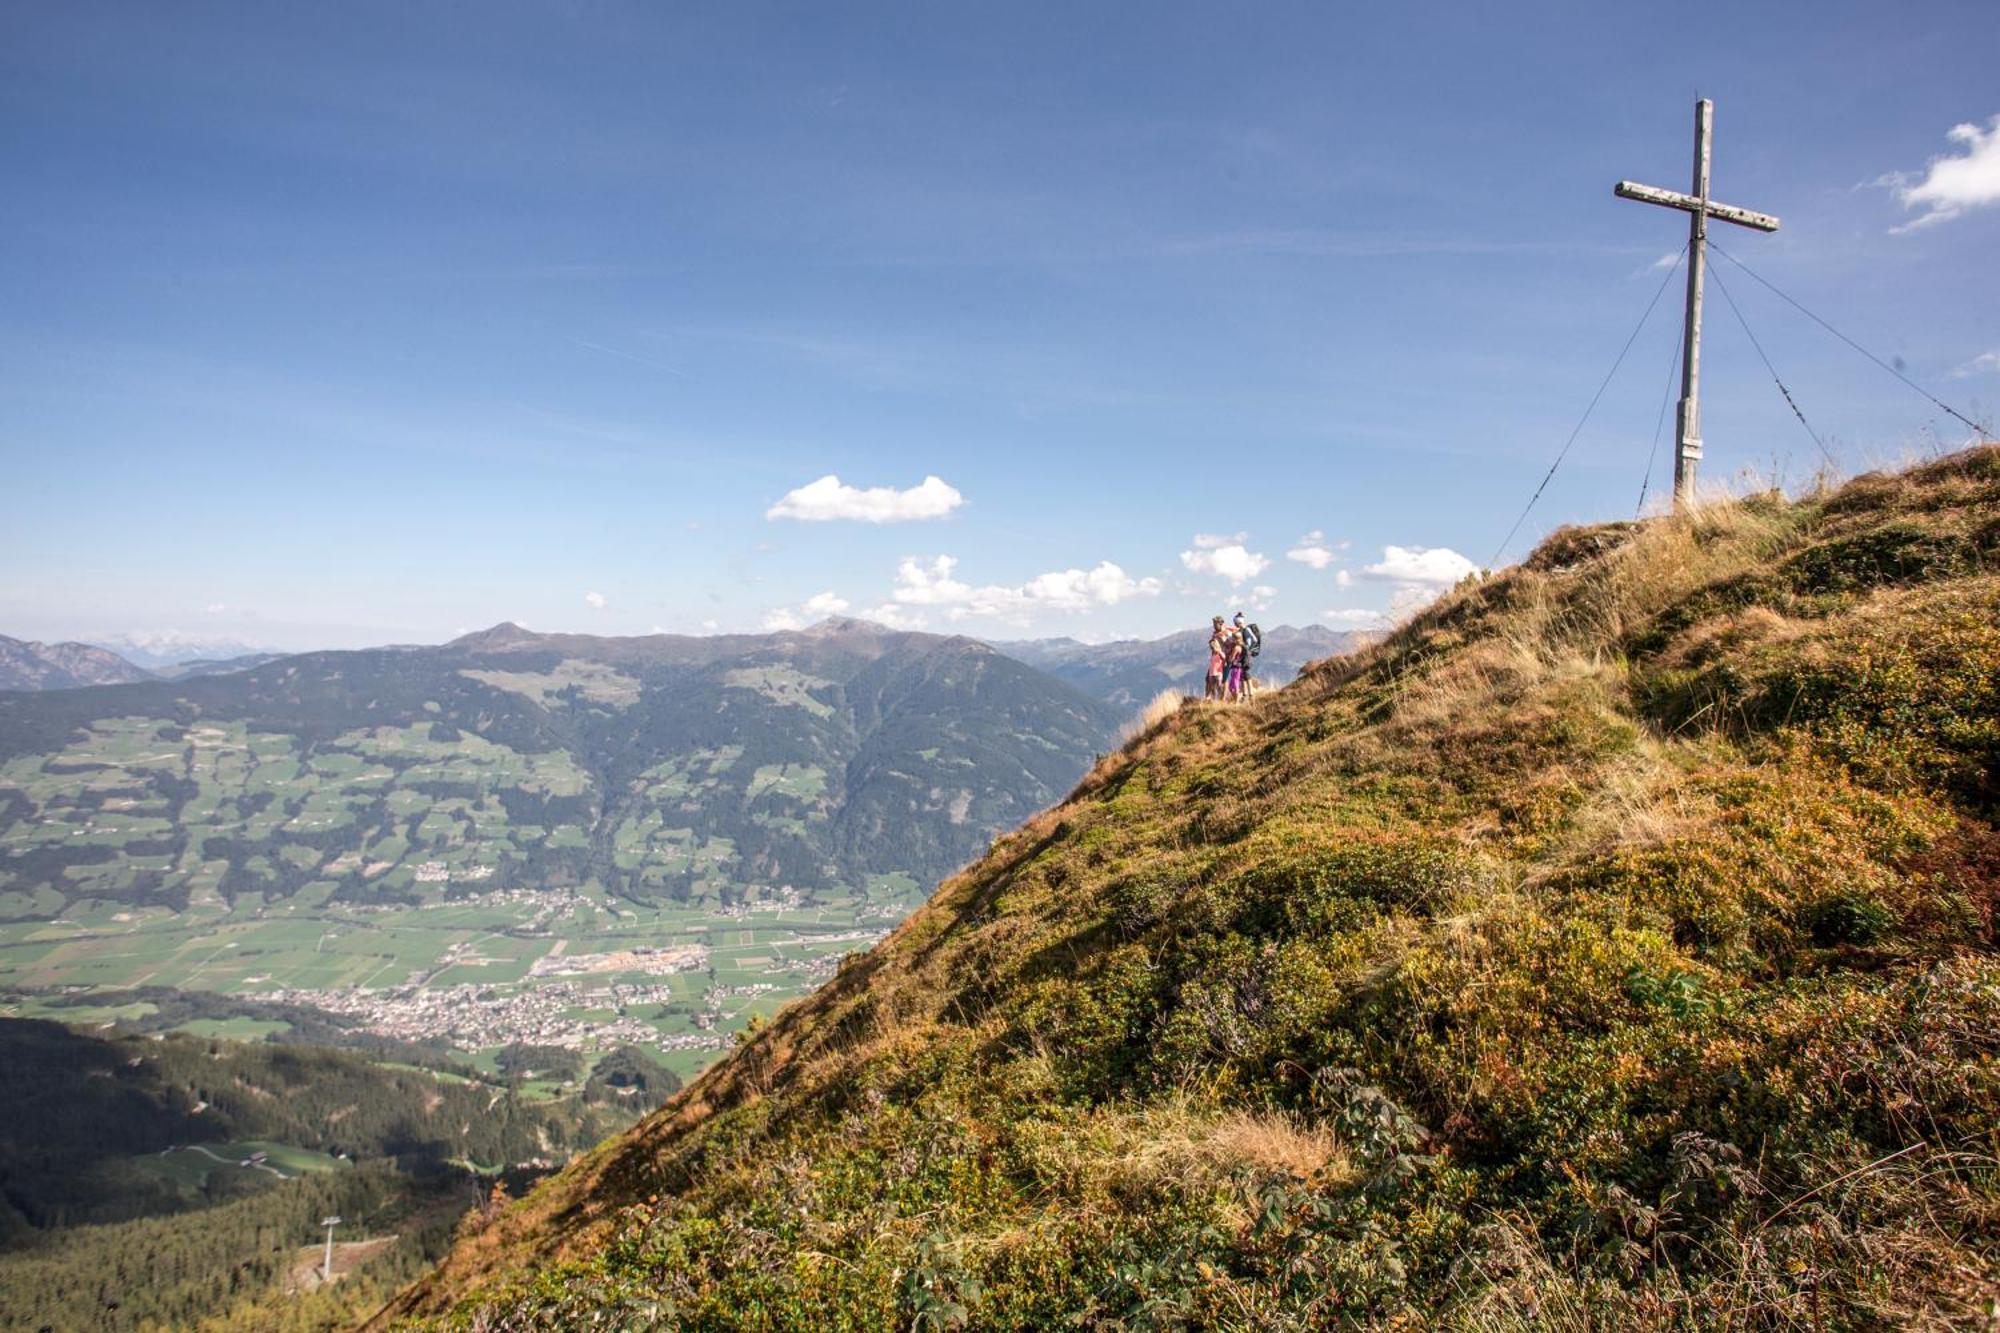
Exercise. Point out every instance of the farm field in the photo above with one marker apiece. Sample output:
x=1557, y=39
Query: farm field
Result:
x=190, y=1165
x=565, y=967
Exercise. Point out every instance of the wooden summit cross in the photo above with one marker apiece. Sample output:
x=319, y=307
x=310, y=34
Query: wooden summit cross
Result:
x=1702, y=208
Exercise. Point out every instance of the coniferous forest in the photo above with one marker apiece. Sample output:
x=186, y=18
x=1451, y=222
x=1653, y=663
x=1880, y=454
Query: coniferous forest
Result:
x=168, y=1181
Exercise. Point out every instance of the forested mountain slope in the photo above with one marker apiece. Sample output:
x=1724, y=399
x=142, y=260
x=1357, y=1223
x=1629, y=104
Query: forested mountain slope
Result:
x=663, y=768
x=1614, y=945
x=88, y=1120
x=172, y=1181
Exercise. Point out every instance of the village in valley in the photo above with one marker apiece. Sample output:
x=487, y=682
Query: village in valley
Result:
x=591, y=1001
x=550, y=967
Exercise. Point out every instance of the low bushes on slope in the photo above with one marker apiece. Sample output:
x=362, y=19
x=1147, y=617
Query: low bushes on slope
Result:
x=1615, y=942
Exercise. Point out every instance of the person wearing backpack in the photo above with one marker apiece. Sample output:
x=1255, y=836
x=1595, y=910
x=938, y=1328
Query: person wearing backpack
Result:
x=1232, y=673
x=1250, y=642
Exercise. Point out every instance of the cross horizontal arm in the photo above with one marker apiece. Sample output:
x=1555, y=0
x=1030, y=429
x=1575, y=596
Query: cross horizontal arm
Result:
x=1651, y=194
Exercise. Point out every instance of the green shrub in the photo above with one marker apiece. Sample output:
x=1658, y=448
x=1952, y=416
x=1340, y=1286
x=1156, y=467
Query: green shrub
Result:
x=1894, y=553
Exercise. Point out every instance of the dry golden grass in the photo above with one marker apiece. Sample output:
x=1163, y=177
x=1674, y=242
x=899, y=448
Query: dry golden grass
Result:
x=1174, y=1144
x=1637, y=802
x=1557, y=610
x=1275, y=1141
x=1162, y=706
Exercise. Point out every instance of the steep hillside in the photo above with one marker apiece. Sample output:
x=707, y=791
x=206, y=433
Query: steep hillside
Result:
x=27, y=665
x=1129, y=672
x=1614, y=945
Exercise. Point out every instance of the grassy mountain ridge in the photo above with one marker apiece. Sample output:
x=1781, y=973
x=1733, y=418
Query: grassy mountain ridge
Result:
x=1614, y=942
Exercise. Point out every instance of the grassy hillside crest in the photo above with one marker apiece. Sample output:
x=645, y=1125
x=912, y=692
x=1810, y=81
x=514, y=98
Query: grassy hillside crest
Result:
x=1616, y=941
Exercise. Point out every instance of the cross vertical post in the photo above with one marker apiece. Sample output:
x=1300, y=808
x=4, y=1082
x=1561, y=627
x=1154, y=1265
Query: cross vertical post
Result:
x=1687, y=450
x=1699, y=207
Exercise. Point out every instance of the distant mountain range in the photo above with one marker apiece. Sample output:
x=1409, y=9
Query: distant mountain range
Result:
x=160, y=650
x=1128, y=673
x=662, y=768
x=28, y=665
x=1123, y=674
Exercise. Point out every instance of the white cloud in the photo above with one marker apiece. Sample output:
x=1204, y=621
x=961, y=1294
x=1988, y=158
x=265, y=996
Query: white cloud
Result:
x=1431, y=567
x=1343, y=578
x=1986, y=363
x=1354, y=617
x=829, y=498
x=920, y=583
x=816, y=607
x=595, y=600
x=1233, y=560
x=1667, y=260
x=1315, y=557
x=1953, y=184
x=216, y=608
x=823, y=604
x=783, y=618
x=1418, y=575
x=1312, y=551
x=707, y=627
x=1076, y=589
x=1208, y=541
x=896, y=617
x=1260, y=597
x=1410, y=598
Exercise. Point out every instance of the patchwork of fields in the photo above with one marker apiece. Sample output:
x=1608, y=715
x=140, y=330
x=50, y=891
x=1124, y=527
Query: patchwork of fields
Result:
x=361, y=878
x=464, y=973
x=146, y=810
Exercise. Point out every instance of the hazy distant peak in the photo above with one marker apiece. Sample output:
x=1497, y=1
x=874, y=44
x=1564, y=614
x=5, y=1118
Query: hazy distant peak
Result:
x=28, y=665
x=834, y=625
x=153, y=649
x=502, y=636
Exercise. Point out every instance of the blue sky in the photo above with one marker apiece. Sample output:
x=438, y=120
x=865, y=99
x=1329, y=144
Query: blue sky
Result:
x=340, y=324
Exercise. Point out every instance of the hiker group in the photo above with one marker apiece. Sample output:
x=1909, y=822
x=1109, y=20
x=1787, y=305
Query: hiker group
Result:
x=1232, y=651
